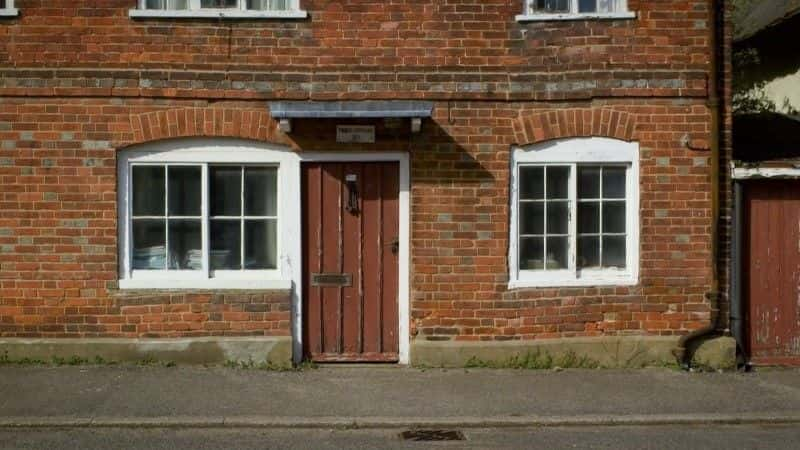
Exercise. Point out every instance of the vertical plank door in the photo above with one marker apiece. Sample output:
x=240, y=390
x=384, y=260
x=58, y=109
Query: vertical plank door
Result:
x=771, y=271
x=350, y=261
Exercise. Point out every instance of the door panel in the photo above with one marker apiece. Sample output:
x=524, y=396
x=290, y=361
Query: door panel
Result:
x=771, y=263
x=349, y=228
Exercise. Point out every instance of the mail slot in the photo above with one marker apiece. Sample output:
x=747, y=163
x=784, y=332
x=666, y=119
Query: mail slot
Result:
x=331, y=279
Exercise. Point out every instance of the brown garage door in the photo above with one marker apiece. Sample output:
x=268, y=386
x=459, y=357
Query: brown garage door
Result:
x=771, y=263
x=350, y=273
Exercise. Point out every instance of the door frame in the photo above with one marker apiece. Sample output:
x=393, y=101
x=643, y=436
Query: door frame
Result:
x=403, y=288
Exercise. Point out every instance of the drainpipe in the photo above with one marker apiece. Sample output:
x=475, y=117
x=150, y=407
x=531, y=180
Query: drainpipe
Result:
x=716, y=24
x=737, y=313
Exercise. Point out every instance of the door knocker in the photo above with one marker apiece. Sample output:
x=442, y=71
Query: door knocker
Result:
x=351, y=181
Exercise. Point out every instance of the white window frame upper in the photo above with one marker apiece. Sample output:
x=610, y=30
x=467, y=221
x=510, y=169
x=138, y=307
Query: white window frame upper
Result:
x=574, y=152
x=195, y=11
x=620, y=12
x=9, y=10
x=204, y=152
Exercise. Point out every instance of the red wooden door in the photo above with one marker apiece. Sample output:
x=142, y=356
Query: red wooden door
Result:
x=350, y=269
x=771, y=271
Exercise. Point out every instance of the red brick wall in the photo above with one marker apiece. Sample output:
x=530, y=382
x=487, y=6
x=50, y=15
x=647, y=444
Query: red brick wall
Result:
x=77, y=84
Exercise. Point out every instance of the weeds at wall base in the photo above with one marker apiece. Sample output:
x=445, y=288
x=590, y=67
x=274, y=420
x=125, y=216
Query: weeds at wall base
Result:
x=537, y=360
x=75, y=360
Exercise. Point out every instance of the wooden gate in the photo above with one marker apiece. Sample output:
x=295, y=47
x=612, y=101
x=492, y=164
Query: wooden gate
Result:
x=771, y=271
x=350, y=269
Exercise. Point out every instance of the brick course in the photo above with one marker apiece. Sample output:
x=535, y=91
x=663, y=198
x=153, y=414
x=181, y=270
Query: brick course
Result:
x=78, y=84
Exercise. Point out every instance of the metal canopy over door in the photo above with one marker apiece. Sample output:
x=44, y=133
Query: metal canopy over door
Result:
x=771, y=271
x=350, y=254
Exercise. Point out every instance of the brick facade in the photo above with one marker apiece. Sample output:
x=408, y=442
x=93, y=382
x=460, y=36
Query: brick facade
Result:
x=78, y=84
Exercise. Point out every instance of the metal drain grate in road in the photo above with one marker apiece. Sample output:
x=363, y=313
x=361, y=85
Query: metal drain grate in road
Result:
x=432, y=435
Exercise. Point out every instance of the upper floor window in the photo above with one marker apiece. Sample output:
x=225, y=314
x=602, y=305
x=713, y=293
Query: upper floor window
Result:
x=575, y=9
x=575, y=214
x=7, y=8
x=233, y=9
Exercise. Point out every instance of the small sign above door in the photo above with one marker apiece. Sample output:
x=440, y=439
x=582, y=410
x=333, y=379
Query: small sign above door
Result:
x=355, y=134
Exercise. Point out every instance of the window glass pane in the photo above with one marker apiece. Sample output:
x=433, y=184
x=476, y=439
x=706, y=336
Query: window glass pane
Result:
x=588, y=182
x=588, y=217
x=613, y=182
x=587, y=6
x=531, y=253
x=226, y=245
x=260, y=191
x=557, y=249
x=550, y=6
x=614, y=251
x=148, y=191
x=271, y=5
x=184, y=191
x=557, y=182
x=531, y=183
x=185, y=244
x=166, y=4
x=260, y=244
x=226, y=190
x=149, y=249
x=613, y=217
x=531, y=218
x=218, y=3
x=588, y=251
x=557, y=217
x=606, y=5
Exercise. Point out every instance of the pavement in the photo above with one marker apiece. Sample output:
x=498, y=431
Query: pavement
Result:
x=388, y=398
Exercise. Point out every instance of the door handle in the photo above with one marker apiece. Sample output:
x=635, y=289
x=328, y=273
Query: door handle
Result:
x=395, y=246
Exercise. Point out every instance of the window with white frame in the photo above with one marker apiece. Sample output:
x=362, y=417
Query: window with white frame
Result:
x=7, y=8
x=575, y=214
x=574, y=9
x=219, y=8
x=202, y=217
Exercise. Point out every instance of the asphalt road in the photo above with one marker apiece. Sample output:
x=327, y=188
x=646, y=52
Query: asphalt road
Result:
x=653, y=437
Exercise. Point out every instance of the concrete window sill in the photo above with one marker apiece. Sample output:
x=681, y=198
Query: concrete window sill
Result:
x=207, y=284
x=9, y=12
x=565, y=282
x=214, y=14
x=571, y=16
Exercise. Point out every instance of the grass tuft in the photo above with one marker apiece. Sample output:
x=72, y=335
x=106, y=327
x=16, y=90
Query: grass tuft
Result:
x=537, y=360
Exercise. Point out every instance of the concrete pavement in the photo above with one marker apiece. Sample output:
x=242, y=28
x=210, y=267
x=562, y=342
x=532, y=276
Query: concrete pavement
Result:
x=181, y=397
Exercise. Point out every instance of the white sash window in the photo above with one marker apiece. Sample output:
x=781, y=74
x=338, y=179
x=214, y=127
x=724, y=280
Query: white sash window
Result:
x=7, y=8
x=575, y=10
x=575, y=214
x=231, y=9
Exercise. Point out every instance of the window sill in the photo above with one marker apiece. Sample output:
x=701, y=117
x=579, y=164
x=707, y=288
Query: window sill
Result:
x=9, y=12
x=210, y=284
x=560, y=281
x=571, y=16
x=214, y=14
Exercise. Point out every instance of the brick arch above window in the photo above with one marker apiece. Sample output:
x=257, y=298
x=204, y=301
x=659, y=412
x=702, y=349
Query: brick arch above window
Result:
x=249, y=124
x=540, y=126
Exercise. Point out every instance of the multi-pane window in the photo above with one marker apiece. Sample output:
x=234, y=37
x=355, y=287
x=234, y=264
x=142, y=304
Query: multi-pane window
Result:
x=245, y=5
x=575, y=6
x=575, y=214
x=203, y=217
x=547, y=205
